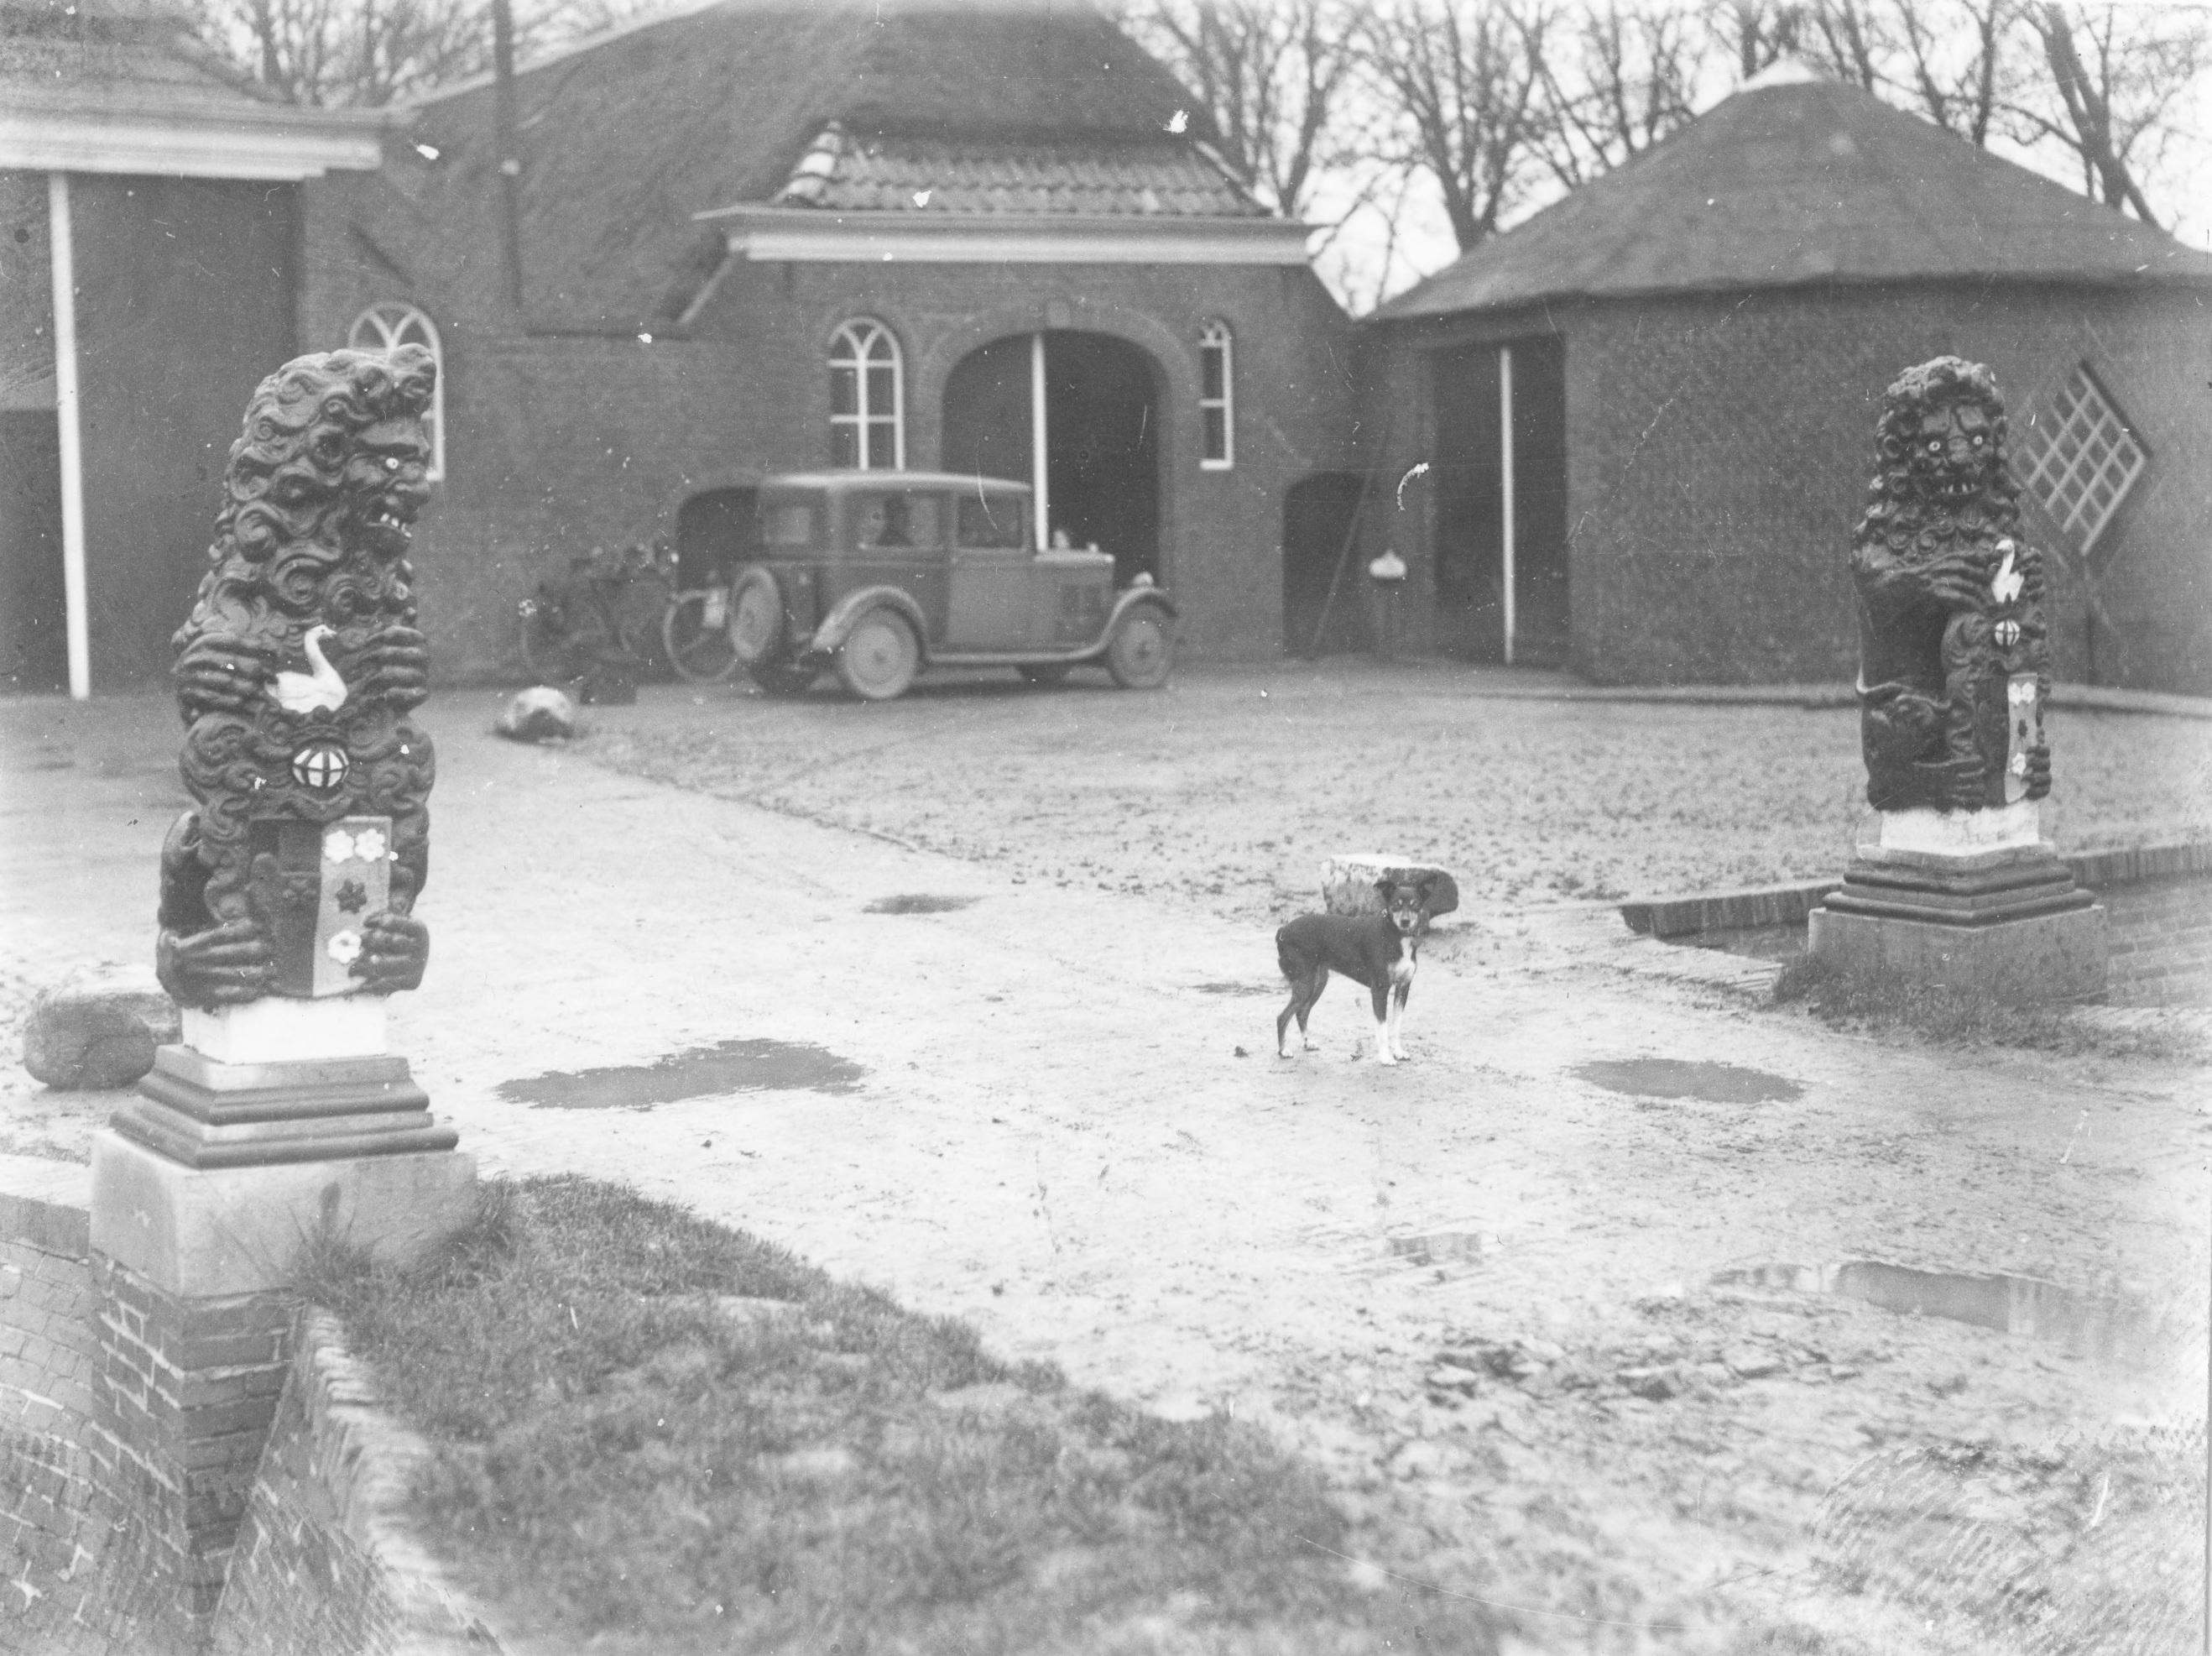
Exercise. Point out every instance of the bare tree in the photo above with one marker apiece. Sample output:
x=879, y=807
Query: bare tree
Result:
x=1463, y=76
x=1958, y=60
x=1272, y=74
x=1616, y=81
x=1758, y=34
x=2118, y=99
x=369, y=53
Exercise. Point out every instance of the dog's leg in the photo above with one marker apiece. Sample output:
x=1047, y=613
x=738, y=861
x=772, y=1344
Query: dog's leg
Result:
x=1305, y=990
x=1398, y=1019
x=1382, y=1000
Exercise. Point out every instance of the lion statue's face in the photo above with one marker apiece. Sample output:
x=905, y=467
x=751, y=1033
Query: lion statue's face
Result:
x=1952, y=450
x=334, y=456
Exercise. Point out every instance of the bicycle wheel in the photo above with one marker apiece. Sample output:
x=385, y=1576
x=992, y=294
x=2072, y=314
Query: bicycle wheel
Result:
x=697, y=651
x=640, y=622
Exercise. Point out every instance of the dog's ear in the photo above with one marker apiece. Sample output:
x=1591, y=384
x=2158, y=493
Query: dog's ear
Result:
x=1384, y=884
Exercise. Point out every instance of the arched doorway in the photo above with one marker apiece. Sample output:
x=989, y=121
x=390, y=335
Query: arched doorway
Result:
x=1321, y=514
x=1101, y=435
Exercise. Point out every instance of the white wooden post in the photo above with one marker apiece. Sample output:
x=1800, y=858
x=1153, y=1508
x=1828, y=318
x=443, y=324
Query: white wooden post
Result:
x=68, y=413
x=1038, y=477
x=1505, y=466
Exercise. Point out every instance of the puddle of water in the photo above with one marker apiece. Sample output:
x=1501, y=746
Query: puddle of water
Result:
x=1437, y=1247
x=1679, y=1078
x=920, y=903
x=2108, y=1327
x=755, y=1066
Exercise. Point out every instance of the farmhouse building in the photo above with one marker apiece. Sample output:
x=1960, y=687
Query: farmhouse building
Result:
x=770, y=237
x=1648, y=411
x=158, y=199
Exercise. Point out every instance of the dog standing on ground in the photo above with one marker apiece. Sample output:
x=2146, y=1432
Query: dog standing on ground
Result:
x=1378, y=950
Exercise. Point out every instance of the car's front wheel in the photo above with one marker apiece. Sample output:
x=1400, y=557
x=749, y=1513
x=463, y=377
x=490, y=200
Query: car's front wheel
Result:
x=880, y=655
x=1141, y=651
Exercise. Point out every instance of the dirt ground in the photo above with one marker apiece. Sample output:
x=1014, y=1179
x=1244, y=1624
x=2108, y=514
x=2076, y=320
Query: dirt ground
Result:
x=1556, y=1326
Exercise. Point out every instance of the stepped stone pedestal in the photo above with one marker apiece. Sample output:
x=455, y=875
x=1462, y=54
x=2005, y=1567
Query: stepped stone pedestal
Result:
x=1974, y=901
x=205, y=1190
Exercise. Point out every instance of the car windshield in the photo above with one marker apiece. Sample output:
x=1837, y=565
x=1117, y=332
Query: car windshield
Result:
x=994, y=521
x=788, y=523
x=895, y=521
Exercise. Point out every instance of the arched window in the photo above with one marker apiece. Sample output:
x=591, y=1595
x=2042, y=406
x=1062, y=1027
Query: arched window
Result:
x=867, y=399
x=382, y=327
x=1217, y=404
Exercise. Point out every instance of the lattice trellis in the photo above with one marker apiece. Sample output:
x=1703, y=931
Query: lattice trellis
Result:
x=2079, y=458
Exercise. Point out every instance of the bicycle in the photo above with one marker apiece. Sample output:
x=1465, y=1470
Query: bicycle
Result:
x=601, y=621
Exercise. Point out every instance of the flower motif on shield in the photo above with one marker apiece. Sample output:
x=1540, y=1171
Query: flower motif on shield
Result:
x=352, y=896
x=338, y=846
x=368, y=845
x=344, y=948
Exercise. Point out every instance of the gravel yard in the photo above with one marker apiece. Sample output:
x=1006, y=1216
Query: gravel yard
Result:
x=1229, y=788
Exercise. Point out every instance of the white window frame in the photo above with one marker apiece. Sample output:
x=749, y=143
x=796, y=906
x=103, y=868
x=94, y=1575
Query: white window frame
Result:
x=849, y=349
x=2079, y=416
x=384, y=327
x=1216, y=338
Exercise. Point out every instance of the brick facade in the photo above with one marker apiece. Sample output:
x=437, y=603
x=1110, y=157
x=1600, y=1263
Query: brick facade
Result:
x=185, y=1393
x=1719, y=447
x=562, y=437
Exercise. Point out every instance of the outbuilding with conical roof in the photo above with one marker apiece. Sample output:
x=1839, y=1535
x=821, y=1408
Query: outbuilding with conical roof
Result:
x=1646, y=415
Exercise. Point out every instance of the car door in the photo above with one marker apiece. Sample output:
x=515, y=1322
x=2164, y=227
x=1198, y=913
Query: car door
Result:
x=991, y=599
x=896, y=537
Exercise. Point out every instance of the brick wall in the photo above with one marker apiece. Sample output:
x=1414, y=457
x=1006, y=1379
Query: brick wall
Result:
x=556, y=441
x=1720, y=447
x=325, y=1561
x=180, y=1477
x=184, y=1396
x=2161, y=942
x=68, y=1583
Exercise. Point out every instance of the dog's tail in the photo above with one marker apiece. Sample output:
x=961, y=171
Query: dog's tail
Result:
x=1288, y=955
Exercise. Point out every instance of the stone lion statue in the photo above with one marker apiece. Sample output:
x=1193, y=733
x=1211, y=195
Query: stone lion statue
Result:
x=308, y=570
x=1953, y=648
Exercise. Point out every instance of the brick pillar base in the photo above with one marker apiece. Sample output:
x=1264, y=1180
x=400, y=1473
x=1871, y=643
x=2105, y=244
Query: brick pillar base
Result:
x=187, y=1390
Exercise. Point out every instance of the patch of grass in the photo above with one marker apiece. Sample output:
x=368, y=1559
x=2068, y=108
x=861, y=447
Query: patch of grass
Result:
x=622, y=1457
x=1889, y=1006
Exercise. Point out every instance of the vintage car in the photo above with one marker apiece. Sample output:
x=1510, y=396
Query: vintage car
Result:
x=881, y=574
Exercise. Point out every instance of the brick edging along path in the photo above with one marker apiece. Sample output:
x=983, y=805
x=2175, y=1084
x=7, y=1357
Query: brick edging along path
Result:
x=1787, y=904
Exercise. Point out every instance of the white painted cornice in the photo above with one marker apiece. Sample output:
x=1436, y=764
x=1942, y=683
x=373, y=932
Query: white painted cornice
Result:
x=813, y=235
x=67, y=134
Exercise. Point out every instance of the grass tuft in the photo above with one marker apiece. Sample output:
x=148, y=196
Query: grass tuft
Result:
x=624, y=1453
x=1890, y=1007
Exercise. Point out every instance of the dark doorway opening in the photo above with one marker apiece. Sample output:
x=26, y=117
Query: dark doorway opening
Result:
x=1472, y=386
x=716, y=532
x=34, y=607
x=1102, y=437
x=1319, y=516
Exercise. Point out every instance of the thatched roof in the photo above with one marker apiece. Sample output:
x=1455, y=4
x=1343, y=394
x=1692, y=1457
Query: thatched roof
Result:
x=1796, y=182
x=623, y=139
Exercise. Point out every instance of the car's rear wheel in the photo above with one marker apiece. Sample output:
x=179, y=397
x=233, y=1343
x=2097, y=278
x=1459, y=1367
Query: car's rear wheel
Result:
x=880, y=655
x=1141, y=651
x=696, y=632
x=783, y=678
x=1045, y=673
x=756, y=617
